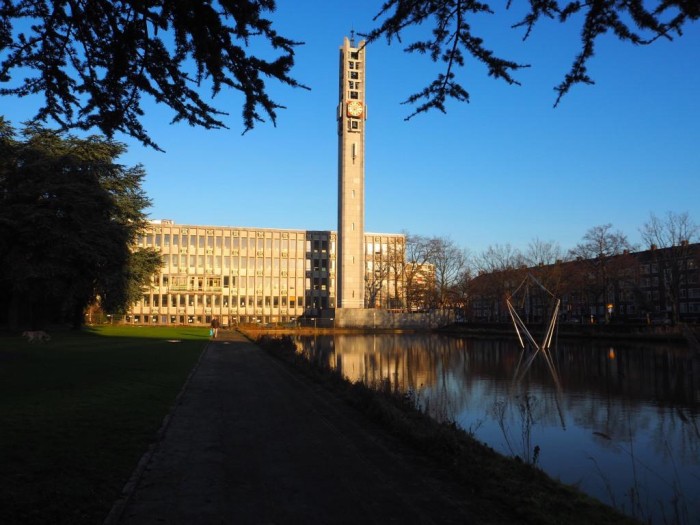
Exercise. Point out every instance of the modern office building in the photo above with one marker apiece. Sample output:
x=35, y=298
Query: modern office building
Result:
x=249, y=275
x=243, y=275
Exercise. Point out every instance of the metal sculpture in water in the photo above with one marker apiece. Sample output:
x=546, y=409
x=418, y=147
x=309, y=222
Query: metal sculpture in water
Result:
x=521, y=296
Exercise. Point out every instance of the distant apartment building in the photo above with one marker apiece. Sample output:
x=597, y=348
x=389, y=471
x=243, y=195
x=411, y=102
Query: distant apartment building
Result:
x=659, y=285
x=251, y=275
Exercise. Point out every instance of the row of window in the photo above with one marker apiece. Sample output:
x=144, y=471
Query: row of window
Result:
x=204, y=284
x=158, y=240
x=233, y=303
x=266, y=264
x=259, y=245
x=206, y=319
x=218, y=301
x=691, y=264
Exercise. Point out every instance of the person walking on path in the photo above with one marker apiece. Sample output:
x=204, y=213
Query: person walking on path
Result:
x=214, y=327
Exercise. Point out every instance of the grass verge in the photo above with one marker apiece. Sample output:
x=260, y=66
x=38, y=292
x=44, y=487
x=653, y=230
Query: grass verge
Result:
x=78, y=412
x=502, y=490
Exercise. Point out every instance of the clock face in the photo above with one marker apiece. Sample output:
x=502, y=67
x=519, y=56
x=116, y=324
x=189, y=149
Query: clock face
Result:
x=354, y=108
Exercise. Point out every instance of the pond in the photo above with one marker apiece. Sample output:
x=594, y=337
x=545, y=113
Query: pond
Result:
x=619, y=420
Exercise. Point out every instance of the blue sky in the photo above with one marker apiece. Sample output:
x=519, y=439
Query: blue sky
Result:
x=505, y=168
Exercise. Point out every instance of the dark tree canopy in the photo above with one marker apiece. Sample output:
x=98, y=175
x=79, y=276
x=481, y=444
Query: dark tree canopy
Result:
x=453, y=39
x=93, y=61
x=68, y=218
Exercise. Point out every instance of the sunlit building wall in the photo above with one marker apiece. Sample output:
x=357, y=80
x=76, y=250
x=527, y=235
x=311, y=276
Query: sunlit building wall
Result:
x=243, y=275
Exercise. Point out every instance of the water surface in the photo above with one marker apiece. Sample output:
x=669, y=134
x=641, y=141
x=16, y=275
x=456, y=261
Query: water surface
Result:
x=620, y=421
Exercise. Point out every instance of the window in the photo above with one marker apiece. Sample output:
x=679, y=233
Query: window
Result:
x=354, y=75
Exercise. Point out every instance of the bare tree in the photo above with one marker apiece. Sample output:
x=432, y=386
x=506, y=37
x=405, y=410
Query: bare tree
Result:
x=377, y=277
x=499, y=257
x=501, y=268
x=670, y=241
x=604, y=259
x=449, y=263
x=541, y=253
x=417, y=272
x=676, y=229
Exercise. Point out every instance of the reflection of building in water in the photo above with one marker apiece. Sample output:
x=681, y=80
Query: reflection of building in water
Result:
x=384, y=359
x=245, y=275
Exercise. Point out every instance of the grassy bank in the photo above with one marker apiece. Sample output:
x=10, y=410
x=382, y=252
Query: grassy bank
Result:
x=78, y=412
x=503, y=490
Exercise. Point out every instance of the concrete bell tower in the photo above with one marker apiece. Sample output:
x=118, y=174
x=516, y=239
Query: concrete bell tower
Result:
x=352, y=114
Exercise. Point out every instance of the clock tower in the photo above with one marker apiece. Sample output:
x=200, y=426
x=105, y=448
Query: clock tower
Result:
x=351, y=115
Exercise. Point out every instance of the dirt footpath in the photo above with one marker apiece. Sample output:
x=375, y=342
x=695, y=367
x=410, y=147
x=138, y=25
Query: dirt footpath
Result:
x=249, y=442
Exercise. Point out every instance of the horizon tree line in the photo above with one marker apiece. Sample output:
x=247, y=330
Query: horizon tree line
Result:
x=599, y=270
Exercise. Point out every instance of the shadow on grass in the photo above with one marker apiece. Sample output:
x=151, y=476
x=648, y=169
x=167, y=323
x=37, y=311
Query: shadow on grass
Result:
x=78, y=412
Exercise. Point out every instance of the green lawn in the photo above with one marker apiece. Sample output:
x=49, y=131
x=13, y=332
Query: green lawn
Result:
x=77, y=413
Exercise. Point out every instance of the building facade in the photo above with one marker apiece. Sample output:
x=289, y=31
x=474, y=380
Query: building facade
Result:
x=251, y=275
x=655, y=286
x=244, y=275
